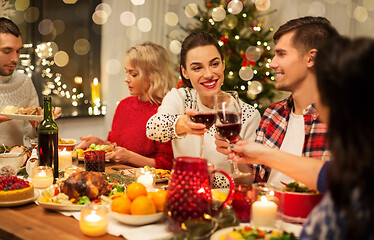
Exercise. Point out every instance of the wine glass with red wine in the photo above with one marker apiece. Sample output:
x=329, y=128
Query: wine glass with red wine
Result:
x=228, y=122
x=205, y=116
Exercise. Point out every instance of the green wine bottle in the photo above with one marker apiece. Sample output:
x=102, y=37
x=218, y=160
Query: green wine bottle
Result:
x=48, y=139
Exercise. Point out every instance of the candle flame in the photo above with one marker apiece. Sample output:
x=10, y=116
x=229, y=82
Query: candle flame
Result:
x=95, y=81
x=264, y=199
x=93, y=217
x=42, y=174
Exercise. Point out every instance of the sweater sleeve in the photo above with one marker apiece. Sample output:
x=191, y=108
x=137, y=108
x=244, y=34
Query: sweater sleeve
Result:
x=322, y=177
x=161, y=126
x=164, y=155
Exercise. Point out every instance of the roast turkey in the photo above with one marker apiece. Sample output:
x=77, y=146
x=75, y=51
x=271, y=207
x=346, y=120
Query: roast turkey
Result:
x=90, y=184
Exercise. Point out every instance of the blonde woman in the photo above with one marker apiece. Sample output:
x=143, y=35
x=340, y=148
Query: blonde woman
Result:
x=149, y=77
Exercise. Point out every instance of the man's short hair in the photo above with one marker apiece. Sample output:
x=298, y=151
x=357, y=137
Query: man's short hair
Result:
x=7, y=26
x=310, y=32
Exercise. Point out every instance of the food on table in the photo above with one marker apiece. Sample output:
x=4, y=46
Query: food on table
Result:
x=107, y=148
x=9, y=109
x=65, y=141
x=137, y=201
x=13, y=188
x=33, y=110
x=250, y=233
x=160, y=173
x=4, y=148
x=90, y=184
x=79, y=153
x=296, y=187
x=7, y=170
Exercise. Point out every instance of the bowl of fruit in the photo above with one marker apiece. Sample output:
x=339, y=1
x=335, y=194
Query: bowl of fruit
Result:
x=66, y=143
x=138, y=206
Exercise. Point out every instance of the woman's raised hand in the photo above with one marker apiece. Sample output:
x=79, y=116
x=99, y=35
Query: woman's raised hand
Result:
x=186, y=126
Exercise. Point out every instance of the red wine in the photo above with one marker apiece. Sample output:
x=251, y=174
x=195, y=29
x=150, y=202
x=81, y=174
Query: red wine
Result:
x=208, y=119
x=48, y=148
x=228, y=117
x=229, y=131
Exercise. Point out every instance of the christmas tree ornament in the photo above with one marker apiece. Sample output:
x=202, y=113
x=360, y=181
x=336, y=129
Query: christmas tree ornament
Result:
x=254, y=87
x=218, y=14
x=235, y=7
x=246, y=73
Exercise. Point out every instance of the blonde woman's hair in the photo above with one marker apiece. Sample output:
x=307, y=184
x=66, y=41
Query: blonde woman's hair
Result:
x=152, y=61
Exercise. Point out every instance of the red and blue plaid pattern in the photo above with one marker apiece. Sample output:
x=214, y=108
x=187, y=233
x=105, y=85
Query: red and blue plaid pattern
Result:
x=273, y=128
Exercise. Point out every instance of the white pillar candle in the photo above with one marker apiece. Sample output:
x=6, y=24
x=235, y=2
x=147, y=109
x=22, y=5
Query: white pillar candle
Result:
x=64, y=159
x=264, y=213
x=147, y=180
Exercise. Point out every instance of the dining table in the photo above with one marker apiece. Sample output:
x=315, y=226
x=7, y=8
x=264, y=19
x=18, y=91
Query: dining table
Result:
x=31, y=221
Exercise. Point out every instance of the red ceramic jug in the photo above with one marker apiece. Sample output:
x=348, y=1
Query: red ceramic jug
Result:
x=189, y=194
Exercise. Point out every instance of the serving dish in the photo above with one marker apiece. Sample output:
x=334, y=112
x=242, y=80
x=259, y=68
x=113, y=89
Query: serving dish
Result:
x=20, y=202
x=11, y=159
x=136, y=220
x=65, y=145
x=59, y=207
x=23, y=117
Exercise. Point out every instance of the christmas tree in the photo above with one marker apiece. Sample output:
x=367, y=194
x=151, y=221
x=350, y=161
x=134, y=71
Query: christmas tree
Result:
x=245, y=43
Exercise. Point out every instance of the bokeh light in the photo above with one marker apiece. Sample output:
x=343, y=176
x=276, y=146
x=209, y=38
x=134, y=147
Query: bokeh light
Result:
x=360, y=14
x=100, y=17
x=191, y=10
x=104, y=7
x=230, y=21
x=235, y=7
x=138, y=2
x=171, y=19
x=59, y=26
x=218, y=14
x=112, y=66
x=174, y=35
x=144, y=24
x=317, y=9
x=175, y=46
x=81, y=33
x=246, y=73
x=254, y=87
x=262, y=5
x=21, y=5
x=82, y=46
x=253, y=53
x=45, y=27
x=31, y=14
x=70, y=1
x=127, y=18
x=61, y=59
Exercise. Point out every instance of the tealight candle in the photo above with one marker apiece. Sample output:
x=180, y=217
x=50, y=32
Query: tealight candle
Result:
x=264, y=213
x=94, y=220
x=42, y=176
x=65, y=159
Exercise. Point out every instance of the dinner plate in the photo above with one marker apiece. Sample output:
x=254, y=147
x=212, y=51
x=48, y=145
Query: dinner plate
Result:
x=131, y=172
x=136, y=220
x=24, y=117
x=219, y=233
x=20, y=202
x=59, y=207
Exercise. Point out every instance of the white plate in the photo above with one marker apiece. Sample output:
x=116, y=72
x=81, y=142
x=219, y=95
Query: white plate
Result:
x=136, y=220
x=20, y=202
x=24, y=117
x=59, y=207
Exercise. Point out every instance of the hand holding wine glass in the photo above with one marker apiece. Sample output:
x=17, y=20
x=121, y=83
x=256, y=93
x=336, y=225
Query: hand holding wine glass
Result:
x=228, y=122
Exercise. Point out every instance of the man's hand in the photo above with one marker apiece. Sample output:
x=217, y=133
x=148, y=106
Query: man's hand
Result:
x=3, y=118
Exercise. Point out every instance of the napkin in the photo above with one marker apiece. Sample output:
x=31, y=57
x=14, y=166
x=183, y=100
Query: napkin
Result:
x=154, y=231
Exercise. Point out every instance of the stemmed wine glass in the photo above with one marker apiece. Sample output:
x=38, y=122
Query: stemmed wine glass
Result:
x=228, y=122
x=206, y=117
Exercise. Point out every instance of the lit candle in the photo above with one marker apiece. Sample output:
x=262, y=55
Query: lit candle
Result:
x=42, y=177
x=64, y=159
x=94, y=220
x=147, y=180
x=264, y=213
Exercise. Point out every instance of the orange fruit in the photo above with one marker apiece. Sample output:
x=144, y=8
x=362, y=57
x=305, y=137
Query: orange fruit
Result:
x=159, y=199
x=142, y=205
x=121, y=204
x=150, y=194
x=135, y=190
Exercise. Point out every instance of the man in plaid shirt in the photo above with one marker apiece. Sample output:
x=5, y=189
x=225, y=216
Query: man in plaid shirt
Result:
x=292, y=125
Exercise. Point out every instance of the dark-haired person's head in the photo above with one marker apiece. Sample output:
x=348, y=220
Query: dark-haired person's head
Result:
x=345, y=81
x=194, y=40
x=309, y=32
x=10, y=46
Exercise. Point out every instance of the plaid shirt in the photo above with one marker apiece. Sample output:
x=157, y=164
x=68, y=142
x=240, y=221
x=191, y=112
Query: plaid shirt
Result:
x=273, y=127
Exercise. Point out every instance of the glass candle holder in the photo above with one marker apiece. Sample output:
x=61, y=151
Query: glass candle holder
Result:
x=42, y=177
x=71, y=170
x=265, y=206
x=94, y=220
x=94, y=161
x=65, y=160
x=147, y=177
